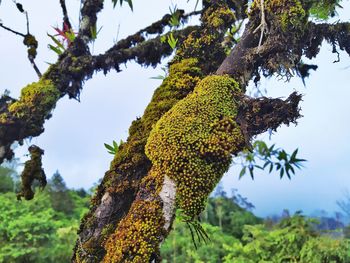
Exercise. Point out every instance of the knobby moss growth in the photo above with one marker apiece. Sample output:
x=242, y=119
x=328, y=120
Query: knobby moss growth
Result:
x=37, y=99
x=32, y=44
x=32, y=171
x=193, y=142
x=36, y=102
x=130, y=164
x=139, y=234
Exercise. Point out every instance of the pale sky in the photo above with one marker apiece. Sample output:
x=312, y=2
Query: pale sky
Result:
x=74, y=136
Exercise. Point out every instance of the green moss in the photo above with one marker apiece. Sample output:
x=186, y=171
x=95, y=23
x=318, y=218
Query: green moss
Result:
x=193, y=142
x=32, y=44
x=37, y=99
x=287, y=14
x=130, y=165
x=32, y=171
x=218, y=17
x=137, y=236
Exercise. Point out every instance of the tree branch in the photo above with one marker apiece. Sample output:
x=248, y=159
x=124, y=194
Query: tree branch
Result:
x=65, y=14
x=11, y=30
x=155, y=28
x=335, y=34
x=257, y=115
x=88, y=15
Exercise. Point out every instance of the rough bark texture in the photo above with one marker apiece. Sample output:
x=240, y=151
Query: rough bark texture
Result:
x=197, y=119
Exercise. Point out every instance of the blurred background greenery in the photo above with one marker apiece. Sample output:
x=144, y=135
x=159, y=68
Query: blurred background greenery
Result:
x=44, y=229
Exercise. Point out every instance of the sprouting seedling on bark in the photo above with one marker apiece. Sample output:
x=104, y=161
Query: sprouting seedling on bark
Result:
x=114, y=148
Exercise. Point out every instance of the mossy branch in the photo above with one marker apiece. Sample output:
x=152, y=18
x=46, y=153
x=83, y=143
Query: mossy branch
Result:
x=32, y=171
x=257, y=115
x=155, y=28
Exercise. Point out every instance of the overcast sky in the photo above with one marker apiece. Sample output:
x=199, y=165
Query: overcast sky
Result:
x=74, y=136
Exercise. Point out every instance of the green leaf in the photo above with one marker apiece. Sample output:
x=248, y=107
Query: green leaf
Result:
x=251, y=172
x=158, y=77
x=282, y=155
x=281, y=173
x=294, y=154
x=94, y=32
x=70, y=35
x=130, y=4
x=57, y=42
x=109, y=147
x=115, y=2
x=175, y=17
x=266, y=164
x=115, y=144
x=55, y=49
x=163, y=39
x=242, y=173
x=172, y=41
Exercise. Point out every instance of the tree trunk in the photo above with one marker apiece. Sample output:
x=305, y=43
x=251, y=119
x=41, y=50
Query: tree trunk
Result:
x=134, y=207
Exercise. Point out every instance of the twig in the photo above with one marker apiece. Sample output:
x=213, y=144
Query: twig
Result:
x=35, y=67
x=65, y=13
x=27, y=18
x=263, y=25
x=155, y=28
x=12, y=31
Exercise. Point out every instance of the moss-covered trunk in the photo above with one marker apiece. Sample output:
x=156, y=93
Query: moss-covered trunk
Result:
x=189, y=139
x=119, y=188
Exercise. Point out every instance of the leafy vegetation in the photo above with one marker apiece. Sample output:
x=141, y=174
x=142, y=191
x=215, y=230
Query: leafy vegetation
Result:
x=292, y=240
x=44, y=230
x=262, y=157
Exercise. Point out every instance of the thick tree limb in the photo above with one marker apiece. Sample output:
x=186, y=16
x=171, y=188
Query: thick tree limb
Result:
x=120, y=185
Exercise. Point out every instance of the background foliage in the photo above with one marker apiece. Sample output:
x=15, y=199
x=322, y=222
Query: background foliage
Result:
x=44, y=229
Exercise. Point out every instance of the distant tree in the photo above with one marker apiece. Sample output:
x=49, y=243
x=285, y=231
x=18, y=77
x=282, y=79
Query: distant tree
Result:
x=6, y=178
x=241, y=201
x=344, y=204
x=81, y=192
x=222, y=211
x=61, y=199
x=220, y=191
x=179, y=247
x=34, y=232
x=292, y=240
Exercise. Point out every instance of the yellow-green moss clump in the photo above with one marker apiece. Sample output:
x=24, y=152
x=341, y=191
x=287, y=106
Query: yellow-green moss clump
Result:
x=193, y=142
x=137, y=236
x=37, y=99
x=288, y=14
